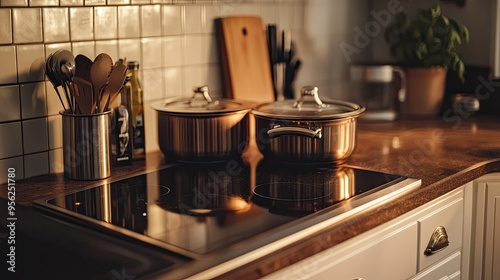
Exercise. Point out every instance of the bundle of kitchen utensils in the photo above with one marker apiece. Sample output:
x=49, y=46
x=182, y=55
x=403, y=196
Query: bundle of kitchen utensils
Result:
x=284, y=66
x=89, y=87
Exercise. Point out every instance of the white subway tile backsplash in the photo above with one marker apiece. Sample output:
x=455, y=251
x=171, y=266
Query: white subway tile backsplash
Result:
x=128, y=17
x=12, y=139
x=53, y=103
x=204, y=74
x=139, y=1
x=298, y=18
x=150, y=20
x=71, y=2
x=249, y=9
x=30, y=63
x=285, y=16
x=33, y=100
x=51, y=48
x=27, y=25
x=173, y=82
x=211, y=13
x=55, y=132
x=194, y=76
x=17, y=164
x=36, y=164
x=5, y=26
x=130, y=49
x=152, y=83
x=82, y=23
x=14, y=3
x=110, y=47
x=268, y=12
x=199, y=49
x=172, y=20
x=85, y=48
x=172, y=51
x=35, y=138
x=192, y=19
x=8, y=71
x=227, y=9
x=151, y=128
x=151, y=53
x=95, y=2
x=44, y=3
x=106, y=22
x=118, y=2
x=10, y=104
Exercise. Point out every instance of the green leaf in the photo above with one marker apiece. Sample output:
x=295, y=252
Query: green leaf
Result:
x=455, y=38
x=465, y=34
x=435, y=11
x=429, y=34
x=435, y=45
x=445, y=20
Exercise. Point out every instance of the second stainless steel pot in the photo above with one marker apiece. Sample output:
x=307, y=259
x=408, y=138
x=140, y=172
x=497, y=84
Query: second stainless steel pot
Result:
x=202, y=129
x=307, y=131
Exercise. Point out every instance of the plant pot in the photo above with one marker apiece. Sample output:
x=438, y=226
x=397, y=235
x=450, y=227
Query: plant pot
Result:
x=424, y=91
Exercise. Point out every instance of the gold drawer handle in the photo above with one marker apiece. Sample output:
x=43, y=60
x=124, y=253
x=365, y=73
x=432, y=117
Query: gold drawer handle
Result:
x=439, y=241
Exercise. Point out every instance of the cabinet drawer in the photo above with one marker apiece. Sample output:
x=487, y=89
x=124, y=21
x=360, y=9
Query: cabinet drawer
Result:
x=449, y=216
x=448, y=269
x=383, y=255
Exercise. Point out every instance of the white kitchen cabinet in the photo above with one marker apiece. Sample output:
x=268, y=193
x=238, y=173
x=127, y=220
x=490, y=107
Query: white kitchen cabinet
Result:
x=450, y=217
x=394, y=250
x=486, y=246
x=446, y=269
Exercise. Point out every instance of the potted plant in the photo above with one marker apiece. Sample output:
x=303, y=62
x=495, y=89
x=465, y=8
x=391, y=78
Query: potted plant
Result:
x=426, y=46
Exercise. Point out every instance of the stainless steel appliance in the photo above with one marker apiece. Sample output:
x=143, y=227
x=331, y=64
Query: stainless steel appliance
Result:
x=224, y=214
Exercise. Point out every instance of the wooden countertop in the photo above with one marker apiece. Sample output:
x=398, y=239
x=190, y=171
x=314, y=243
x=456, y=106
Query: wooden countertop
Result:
x=444, y=153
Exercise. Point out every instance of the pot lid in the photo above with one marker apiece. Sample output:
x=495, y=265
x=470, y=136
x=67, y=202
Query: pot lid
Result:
x=309, y=106
x=200, y=103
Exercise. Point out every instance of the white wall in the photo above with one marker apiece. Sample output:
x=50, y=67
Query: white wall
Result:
x=326, y=25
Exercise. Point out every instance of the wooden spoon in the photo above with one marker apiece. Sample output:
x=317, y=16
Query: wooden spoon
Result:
x=99, y=73
x=115, y=83
x=82, y=67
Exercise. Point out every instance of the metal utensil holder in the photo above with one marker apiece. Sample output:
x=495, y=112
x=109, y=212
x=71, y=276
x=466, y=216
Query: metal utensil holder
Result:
x=86, y=145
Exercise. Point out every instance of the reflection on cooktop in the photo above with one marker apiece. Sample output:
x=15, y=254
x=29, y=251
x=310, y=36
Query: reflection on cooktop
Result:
x=202, y=208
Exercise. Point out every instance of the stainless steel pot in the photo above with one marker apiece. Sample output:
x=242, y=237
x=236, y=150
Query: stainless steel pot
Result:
x=200, y=128
x=307, y=130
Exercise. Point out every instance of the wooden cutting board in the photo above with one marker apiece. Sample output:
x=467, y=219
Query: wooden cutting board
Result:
x=246, y=70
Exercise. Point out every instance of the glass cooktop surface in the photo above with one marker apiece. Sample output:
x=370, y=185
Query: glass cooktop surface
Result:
x=200, y=208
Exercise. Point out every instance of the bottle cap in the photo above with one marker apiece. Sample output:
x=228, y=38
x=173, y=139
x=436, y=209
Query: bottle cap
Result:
x=133, y=65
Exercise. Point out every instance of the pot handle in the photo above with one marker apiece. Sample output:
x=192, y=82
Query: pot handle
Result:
x=203, y=91
x=291, y=130
x=309, y=91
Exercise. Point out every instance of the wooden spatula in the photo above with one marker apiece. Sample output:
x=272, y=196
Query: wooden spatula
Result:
x=99, y=73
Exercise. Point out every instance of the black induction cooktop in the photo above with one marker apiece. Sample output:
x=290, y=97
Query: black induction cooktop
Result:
x=198, y=209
